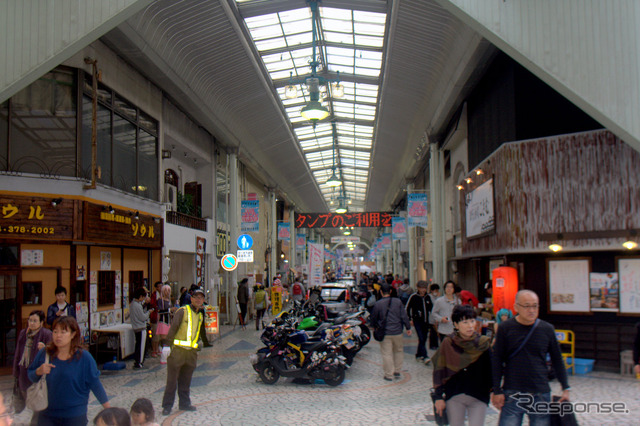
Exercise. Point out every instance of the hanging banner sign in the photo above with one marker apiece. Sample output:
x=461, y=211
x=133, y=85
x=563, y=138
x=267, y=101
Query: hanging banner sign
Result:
x=250, y=214
x=301, y=240
x=316, y=261
x=417, y=209
x=284, y=232
x=386, y=240
x=338, y=239
x=201, y=245
x=399, y=228
x=335, y=220
x=276, y=299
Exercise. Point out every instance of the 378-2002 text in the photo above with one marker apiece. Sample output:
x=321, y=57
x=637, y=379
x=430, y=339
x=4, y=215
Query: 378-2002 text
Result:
x=14, y=229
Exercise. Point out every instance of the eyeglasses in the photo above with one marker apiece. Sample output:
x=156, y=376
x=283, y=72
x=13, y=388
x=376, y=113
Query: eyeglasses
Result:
x=7, y=413
x=528, y=306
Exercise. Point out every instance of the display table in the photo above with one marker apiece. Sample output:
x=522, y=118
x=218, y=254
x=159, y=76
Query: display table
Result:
x=124, y=335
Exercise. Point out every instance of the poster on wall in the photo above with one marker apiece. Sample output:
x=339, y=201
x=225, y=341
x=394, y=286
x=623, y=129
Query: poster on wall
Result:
x=568, y=285
x=284, y=232
x=105, y=260
x=200, y=252
x=479, y=214
x=125, y=292
x=629, y=274
x=604, y=291
x=32, y=257
x=103, y=319
x=93, y=277
x=84, y=332
x=125, y=314
x=82, y=312
x=95, y=320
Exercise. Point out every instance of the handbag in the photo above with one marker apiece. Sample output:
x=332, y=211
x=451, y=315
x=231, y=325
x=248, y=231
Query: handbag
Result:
x=380, y=331
x=567, y=419
x=163, y=328
x=37, y=394
x=18, y=400
x=439, y=419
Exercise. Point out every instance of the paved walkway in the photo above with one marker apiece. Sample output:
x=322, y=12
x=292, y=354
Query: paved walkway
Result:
x=227, y=391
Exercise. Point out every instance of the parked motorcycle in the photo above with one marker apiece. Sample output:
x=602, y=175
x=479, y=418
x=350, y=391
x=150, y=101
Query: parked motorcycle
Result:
x=288, y=353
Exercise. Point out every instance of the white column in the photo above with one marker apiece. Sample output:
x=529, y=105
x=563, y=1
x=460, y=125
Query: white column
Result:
x=435, y=210
x=292, y=241
x=443, y=212
x=273, y=263
x=411, y=237
x=234, y=224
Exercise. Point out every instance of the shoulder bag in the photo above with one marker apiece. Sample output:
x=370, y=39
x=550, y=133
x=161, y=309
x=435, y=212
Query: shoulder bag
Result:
x=37, y=394
x=440, y=420
x=380, y=332
x=526, y=339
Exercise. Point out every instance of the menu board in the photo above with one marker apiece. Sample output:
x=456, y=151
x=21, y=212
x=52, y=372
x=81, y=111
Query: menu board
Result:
x=629, y=275
x=568, y=285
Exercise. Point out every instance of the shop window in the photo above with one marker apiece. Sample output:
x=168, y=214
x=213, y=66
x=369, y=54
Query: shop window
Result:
x=9, y=255
x=136, y=280
x=32, y=292
x=124, y=154
x=79, y=291
x=106, y=287
x=103, y=123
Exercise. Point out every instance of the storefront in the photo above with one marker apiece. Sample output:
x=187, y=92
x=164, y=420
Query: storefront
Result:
x=99, y=253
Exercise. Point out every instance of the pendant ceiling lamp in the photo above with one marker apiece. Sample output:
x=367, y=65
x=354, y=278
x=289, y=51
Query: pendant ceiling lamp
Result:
x=334, y=181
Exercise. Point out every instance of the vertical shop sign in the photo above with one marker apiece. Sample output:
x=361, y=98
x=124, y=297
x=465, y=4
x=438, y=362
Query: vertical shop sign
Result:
x=417, y=209
x=276, y=299
x=399, y=228
x=201, y=244
x=250, y=213
x=301, y=241
x=284, y=232
x=316, y=261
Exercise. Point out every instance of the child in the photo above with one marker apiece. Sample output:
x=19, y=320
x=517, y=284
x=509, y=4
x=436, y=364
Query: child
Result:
x=142, y=413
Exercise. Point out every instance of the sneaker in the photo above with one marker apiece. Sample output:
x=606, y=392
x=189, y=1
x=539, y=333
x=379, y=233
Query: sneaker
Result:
x=419, y=359
x=140, y=367
x=189, y=408
x=427, y=361
x=397, y=374
x=166, y=411
x=388, y=379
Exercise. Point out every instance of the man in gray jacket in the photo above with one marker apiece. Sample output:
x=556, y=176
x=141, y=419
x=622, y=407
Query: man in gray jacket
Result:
x=389, y=312
x=139, y=317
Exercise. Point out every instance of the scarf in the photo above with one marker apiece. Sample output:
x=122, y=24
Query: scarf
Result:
x=25, y=361
x=456, y=354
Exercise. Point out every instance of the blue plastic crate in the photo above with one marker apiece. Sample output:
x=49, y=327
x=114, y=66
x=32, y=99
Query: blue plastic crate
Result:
x=120, y=365
x=582, y=365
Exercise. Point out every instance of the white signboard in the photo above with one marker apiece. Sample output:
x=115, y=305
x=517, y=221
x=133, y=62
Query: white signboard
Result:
x=569, y=285
x=245, y=256
x=339, y=239
x=479, y=212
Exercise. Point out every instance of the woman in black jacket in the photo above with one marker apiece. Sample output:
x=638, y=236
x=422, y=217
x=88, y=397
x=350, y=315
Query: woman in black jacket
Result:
x=462, y=371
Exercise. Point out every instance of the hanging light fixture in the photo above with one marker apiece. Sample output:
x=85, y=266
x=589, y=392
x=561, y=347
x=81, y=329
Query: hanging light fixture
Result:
x=555, y=247
x=630, y=245
x=334, y=181
x=342, y=209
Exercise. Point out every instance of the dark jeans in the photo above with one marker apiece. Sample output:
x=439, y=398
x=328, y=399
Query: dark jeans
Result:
x=180, y=366
x=243, y=313
x=514, y=409
x=138, y=352
x=433, y=337
x=421, y=331
x=259, y=314
x=45, y=420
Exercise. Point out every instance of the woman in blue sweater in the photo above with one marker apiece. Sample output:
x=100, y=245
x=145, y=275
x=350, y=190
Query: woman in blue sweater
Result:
x=71, y=374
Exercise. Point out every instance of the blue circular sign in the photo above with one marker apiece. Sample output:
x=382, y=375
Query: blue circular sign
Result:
x=245, y=242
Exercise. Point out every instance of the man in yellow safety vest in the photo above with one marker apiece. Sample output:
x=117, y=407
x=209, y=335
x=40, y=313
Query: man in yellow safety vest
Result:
x=183, y=334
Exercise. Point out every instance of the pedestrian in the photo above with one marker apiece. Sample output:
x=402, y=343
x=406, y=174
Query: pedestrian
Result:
x=142, y=413
x=443, y=308
x=60, y=307
x=434, y=293
x=139, y=317
x=462, y=371
x=114, y=416
x=156, y=296
x=520, y=357
x=31, y=340
x=418, y=309
x=165, y=311
x=502, y=315
x=185, y=297
x=184, y=334
x=243, y=299
x=297, y=290
x=71, y=374
x=389, y=314
x=404, y=291
x=262, y=302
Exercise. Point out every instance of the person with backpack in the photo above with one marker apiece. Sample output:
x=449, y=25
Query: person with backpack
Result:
x=297, y=290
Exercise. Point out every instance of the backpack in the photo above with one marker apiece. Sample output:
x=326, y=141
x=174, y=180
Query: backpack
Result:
x=297, y=289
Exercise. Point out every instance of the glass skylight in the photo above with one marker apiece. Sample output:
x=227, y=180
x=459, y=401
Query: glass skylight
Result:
x=349, y=45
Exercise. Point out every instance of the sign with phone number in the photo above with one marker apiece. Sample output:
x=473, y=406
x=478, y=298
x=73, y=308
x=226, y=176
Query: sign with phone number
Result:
x=35, y=230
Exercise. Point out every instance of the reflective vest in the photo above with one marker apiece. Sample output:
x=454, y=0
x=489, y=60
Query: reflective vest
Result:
x=188, y=333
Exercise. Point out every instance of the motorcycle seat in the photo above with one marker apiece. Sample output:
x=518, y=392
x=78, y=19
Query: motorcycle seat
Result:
x=313, y=346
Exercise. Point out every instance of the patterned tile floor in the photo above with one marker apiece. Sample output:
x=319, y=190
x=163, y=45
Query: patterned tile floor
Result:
x=227, y=391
